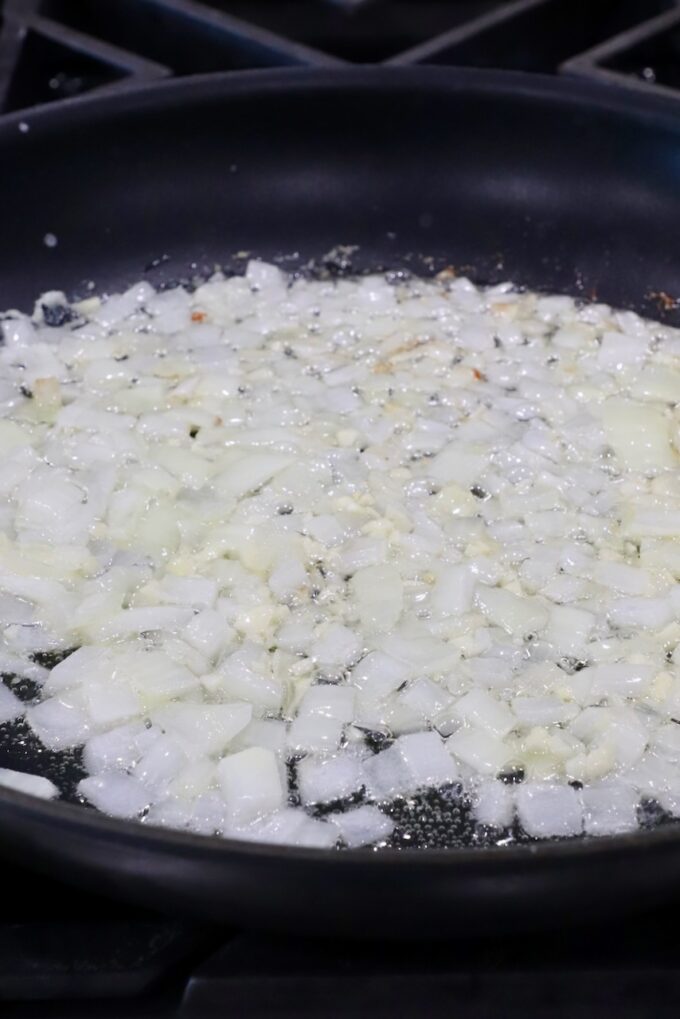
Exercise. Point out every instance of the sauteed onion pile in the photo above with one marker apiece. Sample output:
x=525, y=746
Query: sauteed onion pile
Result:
x=300, y=547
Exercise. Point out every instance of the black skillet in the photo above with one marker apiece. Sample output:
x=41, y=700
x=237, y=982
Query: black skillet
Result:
x=556, y=185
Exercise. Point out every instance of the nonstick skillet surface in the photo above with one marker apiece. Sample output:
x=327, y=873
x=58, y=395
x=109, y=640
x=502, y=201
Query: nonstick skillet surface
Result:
x=556, y=185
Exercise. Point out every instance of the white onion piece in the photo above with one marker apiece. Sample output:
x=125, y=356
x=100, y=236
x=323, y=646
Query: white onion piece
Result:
x=281, y=827
x=321, y=780
x=480, y=750
x=196, y=778
x=202, y=728
x=493, y=804
x=143, y=620
x=175, y=814
x=424, y=698
x=117, y=749
x=569, y=629
x=619, y=678
x=414, y=761
x=115, y=793
x=532, y=711
x=288, y=578
x=109, y=705
x=15, y=610
x=248, y=472
x=328, y=701
x=458, y=464
x=250, y=782
x=363, y=826
x=546, y=810
x=208, y=814
x=59, y=723
x=209, y=632
x=263, y=732
x=161, y=763
x=196, y=592
x=336, y=649
x=387, y=775
x=513, y=613
x=315, y=733
x=656, y=382
x=622, y=577
x=316, y=834
x=154, y=676
x=453, y=590
x=481, y=709
x=93, y=662
x=246, y=675
x=23, y=782
x=640, y=434
x=379, y=596
x=647, y=613
x=379, y=674
x=609, y=809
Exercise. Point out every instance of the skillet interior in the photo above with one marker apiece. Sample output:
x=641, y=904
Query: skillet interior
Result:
x=555, y=185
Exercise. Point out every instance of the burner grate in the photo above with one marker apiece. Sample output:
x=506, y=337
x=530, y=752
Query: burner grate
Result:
x=535, y=35
x=648, y=55
x=189, y=38
x=367, y=31
x=52, y=49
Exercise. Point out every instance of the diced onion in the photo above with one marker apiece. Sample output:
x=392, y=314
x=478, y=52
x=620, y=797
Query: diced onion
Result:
x=276, y=551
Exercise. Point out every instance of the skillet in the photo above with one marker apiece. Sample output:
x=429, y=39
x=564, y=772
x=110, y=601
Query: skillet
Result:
x=557, y=185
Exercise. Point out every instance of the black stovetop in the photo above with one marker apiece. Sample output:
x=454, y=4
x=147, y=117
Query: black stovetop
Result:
x=67, y=953
x=50, y=49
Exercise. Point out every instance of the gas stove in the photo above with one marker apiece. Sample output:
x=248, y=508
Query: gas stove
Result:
x=52, y=49
x=65, y=954
x=68, y=953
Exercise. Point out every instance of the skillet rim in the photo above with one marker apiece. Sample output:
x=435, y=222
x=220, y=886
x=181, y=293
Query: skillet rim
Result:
x=600, y=94
x=576, y=93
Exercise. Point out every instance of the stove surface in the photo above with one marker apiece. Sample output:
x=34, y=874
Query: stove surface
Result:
x=51, y=49
x=67, y=953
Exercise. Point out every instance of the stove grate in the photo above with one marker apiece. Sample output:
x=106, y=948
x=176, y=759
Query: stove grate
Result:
x=54, y=49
